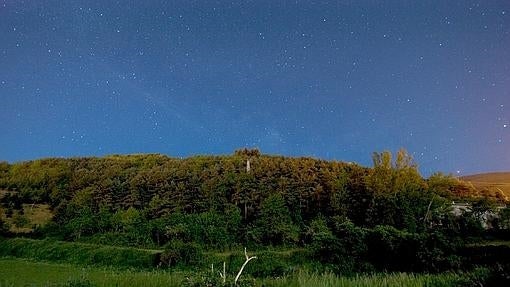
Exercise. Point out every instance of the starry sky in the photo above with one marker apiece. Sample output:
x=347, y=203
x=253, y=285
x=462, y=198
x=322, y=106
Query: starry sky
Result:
x=336, y=80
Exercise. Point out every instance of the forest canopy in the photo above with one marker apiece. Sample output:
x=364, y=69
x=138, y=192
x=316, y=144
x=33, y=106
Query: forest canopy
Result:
x=217, y=201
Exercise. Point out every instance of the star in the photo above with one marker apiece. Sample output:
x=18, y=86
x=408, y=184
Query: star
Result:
x=334, y=82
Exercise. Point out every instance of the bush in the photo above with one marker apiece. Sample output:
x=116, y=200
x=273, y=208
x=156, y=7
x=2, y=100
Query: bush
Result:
x=352, y=237
x=274, y=224
x=385, y=243
x=78, y=253
x=432, y=251
x=485, y=254
x=20, y=220
x=324, y=246
x=267, y=264
x=437, y=252
x=180, y=253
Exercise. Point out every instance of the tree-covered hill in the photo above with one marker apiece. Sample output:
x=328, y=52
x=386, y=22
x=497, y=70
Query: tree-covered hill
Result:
x=343, y=215
x=164, y=185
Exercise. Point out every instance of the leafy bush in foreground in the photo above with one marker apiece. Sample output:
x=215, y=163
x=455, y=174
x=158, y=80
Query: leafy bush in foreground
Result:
x=180, y=253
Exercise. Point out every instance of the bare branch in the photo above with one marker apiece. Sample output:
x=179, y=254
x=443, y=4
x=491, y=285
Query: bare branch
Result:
x=244, y=264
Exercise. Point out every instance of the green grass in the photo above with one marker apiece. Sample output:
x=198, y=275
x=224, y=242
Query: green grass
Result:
x=22, y=272
x=54, y=263
x=380, y=280
x=272, y=262
x=78, y=253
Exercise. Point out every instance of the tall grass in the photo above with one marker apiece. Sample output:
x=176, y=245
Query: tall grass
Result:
x=78, y=253
x=381, y=280
x=21, y=272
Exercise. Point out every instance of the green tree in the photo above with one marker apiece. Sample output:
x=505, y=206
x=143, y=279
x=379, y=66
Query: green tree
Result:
x=83, y=223
x=274, y=224
x=323, y=244
x=394, y=185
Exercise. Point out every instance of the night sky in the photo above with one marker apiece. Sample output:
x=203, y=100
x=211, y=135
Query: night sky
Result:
x=328, y=79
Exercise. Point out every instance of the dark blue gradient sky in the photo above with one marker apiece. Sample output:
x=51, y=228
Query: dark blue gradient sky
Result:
x=329, y=79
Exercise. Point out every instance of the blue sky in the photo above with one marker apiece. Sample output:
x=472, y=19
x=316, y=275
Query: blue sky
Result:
x=328, y=79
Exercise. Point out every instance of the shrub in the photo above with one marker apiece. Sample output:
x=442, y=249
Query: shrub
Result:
x=20, y=220
x=352, y=237
x=325, y=246
x=274, y=224
x=437, y=252
x=180, y=253
x=267, y=264
x=78, y=253
x=385, y=243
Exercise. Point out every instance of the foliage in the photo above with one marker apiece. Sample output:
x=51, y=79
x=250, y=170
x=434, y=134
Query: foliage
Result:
x=477, y=278
x=274, y=224
x=20, y=220
x=324, y=245
x=180, y=253
x=158, y=186
x=350, y=218
x=78, y=253
x=16, y=272
x=21, y=272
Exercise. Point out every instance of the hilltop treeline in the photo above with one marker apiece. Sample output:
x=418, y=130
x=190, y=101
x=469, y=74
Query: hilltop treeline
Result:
x=218, y=202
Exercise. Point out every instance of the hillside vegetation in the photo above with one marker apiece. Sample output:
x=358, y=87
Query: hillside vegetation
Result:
x=294, y=212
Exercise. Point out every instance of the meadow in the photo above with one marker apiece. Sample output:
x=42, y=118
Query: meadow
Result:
x=22, y=272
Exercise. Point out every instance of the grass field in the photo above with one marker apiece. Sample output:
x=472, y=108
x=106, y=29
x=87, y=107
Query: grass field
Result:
x=78, y=253
x=20, y=272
